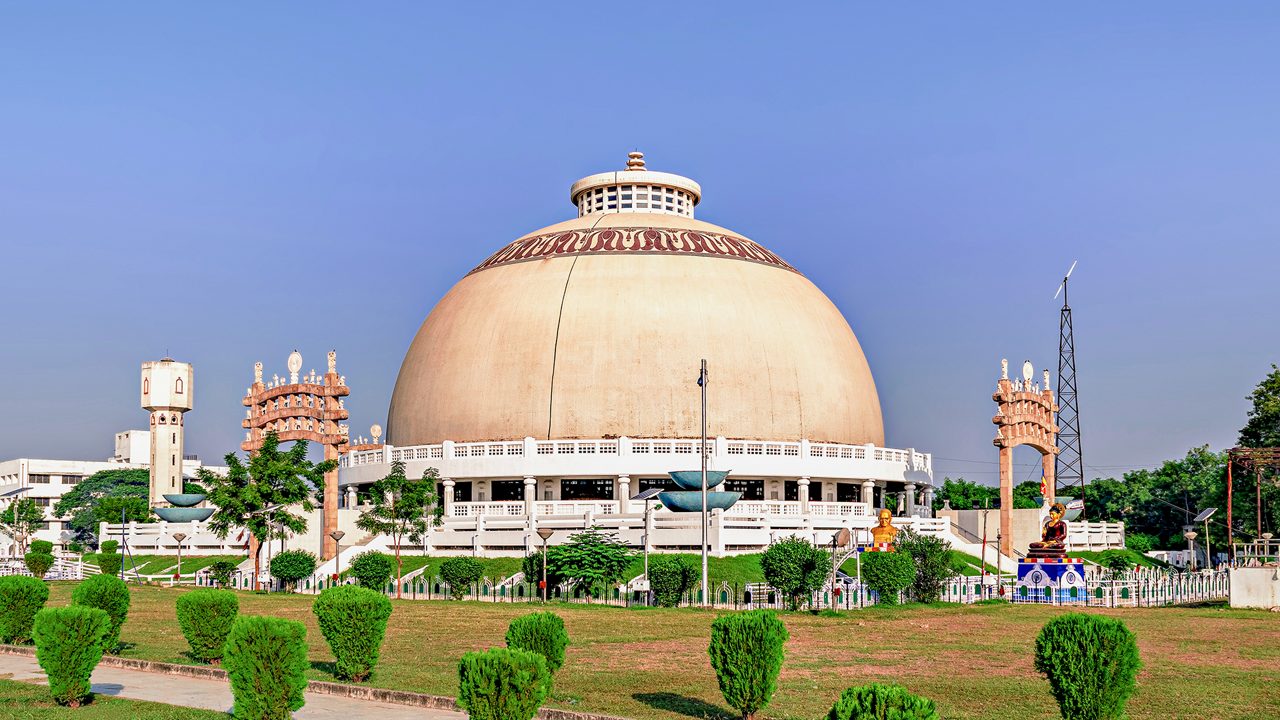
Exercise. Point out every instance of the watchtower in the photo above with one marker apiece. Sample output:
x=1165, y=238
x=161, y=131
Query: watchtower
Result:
x=168, y=391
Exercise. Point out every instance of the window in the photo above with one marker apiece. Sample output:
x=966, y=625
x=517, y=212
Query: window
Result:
x=38, y=479
x=146, y=386
x=591, y=489
x=178, y=387
x=791, y=491
x=42, y=502
x=848, y=492
x=508, y=490
x=664, y=483
x=72, y=479
x=750, y=489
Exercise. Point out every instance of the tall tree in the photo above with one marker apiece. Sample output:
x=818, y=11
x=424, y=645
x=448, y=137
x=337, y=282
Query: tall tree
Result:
x=261, y=496
x=20, y=520
x=402, y=508
x=80, y=504
x=1263, y=426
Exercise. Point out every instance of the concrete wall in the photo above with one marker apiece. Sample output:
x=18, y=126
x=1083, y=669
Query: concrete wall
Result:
x=1255, y=587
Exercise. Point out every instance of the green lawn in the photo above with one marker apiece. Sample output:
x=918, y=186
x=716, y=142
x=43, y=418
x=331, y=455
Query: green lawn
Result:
x=1135, y=557
x=27, y=701
x=651, y=664
x=167, y=564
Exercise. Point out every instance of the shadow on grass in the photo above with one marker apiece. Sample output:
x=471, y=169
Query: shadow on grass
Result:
x=687, y=706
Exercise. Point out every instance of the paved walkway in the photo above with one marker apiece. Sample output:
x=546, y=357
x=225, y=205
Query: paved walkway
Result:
x=216, y=695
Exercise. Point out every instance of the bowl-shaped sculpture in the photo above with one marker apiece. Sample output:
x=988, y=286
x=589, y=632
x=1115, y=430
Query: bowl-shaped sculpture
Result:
x=692, y=479
x=183, y=514
x=184, y=499
x=691, y=501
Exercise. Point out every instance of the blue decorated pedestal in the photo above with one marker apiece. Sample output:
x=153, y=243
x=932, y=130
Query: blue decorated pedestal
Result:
x=1050, y=580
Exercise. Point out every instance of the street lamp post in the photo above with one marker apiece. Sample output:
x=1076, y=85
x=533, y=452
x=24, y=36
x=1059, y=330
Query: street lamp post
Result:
x=337, y=536
x=702, y=383
x=177, y=576
x=1191, y=535
x=544, y=533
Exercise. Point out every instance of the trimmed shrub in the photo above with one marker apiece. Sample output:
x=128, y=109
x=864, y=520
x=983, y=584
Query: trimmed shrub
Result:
x=1141, y=543
x=38, y=562
x=221, y=572
x=21, y=597
x=292, y=566
x=1091, y=662
x=795, y=568
x=41, y=546
x=932, y=558
x=460, y=572
x=353, y=621
x=109, y=593
x=266, y=662
x=502, y=684
x=1115, y=560
x=372, y=570
x=881, y=702
x=888, y=573
x=69, y=644
x=75, y=547
x=746, y=651
x=110, y=564
x=670, y=577
x=542, y=633
x=109, y=547
x=206, y=617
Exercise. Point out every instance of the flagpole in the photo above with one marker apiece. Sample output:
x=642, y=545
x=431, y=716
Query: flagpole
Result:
x=702, y=383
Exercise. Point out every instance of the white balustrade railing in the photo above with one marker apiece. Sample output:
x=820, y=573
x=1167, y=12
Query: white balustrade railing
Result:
x=448, y=450
x=576, y=507
x=1094, y=535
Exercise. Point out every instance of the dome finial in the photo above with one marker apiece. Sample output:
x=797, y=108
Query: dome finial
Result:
x=635, y=160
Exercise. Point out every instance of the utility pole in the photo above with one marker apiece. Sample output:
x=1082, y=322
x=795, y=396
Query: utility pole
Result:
x=702, y=383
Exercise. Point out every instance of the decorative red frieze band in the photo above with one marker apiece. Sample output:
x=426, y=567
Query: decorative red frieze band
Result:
x=632, y=240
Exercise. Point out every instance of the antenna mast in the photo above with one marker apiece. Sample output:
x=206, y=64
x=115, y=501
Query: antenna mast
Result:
x=1069, y=467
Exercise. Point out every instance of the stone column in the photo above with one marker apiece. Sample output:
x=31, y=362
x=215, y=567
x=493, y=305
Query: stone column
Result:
x=530, y=495
x=447, y=500
x=909, y=491
x=927, y=499
x=869, y=492
x=1050, y=484
x=624, y=494
x=1006, y=501
x=802, y=494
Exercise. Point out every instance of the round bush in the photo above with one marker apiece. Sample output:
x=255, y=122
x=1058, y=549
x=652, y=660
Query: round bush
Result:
x=221, y=571
x=888, y=573
x=266, y=662
x=69, y=644
x=292, y=566
x=670, y=577
x=542, y=633
x=107, y=593
x=746, y=652
x=460, y=573
x=110, y=564
x=1091, y=662
x=353, y=621
x=502, y=684
x=877, y=702
x=372, y=570
x=21, y=597
x=41, y=546
x=206, y=617
x=796, y=568
x=38, y=563
x=109, y=547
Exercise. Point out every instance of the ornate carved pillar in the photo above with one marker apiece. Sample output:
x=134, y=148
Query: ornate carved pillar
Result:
x=802, y=494
x=869, y=492
x=624, y=494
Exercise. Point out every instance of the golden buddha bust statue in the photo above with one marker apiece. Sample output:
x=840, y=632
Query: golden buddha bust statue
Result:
x=884, y=532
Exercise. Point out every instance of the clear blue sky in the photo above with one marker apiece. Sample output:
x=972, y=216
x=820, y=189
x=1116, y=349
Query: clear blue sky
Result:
x=174, y=178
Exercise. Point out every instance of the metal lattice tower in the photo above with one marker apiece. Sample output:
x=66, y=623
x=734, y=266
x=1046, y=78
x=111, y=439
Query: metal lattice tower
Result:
x=1069, y=468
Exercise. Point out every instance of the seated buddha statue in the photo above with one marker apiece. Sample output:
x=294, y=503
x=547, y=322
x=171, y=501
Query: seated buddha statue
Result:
x=1053, y=542
x=884, y=532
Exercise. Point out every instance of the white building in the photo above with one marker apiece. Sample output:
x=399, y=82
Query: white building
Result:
x=46, y=480
x=558, y=379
